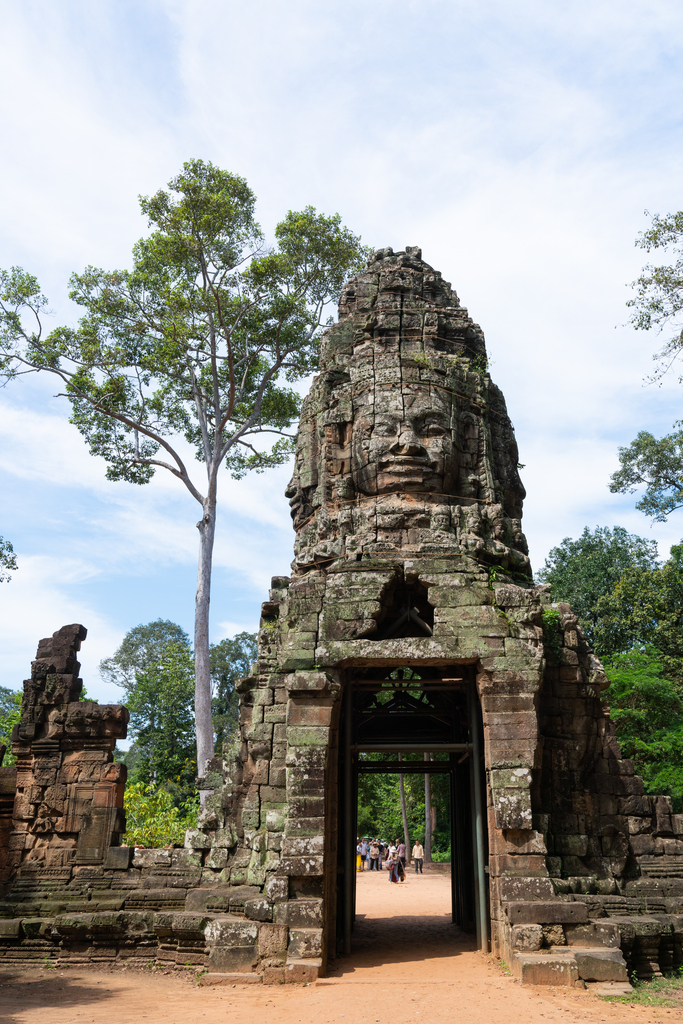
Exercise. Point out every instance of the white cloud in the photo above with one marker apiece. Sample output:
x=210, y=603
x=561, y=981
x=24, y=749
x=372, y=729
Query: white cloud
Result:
x=229, y=629
x=40, y=599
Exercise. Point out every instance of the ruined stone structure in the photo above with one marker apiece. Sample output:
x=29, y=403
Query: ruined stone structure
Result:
x=410, y=623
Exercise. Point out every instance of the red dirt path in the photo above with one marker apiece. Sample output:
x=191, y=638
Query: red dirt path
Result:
x=409, y=966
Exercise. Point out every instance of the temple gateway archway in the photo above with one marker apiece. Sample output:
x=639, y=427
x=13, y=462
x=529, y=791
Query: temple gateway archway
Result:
x=410, y=621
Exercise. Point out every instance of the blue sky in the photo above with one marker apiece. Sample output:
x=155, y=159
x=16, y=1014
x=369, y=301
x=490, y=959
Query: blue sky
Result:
x=518, y=144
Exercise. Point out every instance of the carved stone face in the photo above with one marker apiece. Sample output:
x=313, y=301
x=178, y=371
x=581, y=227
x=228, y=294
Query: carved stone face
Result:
x=404, y=442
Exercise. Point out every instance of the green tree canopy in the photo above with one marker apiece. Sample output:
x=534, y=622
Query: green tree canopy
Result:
x=647, y=709
x=142, y=649
x=585, y=570
x=154, y=665
x=10, y=715
x=645, y=608
x=162, y=722
x=656, y=465
x=199, y=342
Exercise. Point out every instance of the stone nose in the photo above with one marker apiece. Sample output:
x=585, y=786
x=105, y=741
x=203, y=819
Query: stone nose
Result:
x=408, y=443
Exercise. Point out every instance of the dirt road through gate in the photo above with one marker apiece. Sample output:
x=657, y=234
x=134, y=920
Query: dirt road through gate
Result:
x=409, y=966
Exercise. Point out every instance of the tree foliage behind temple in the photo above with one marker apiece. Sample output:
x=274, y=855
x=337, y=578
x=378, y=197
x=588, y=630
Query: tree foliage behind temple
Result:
x=154, y=666
x=583, y=571
x=647, y=708
x=630, y=607
x=379, y=807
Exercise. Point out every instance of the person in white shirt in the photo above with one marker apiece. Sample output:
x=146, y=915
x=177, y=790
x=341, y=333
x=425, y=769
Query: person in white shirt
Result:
x=418, y=857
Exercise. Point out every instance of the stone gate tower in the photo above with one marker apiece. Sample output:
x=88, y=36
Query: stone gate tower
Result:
x=410, y=624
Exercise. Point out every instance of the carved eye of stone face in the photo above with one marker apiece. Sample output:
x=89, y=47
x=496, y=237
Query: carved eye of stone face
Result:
x=385, y=427
x=433, y=426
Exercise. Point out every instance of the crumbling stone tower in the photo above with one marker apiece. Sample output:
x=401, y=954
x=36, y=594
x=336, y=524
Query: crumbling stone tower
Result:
x=68, y=805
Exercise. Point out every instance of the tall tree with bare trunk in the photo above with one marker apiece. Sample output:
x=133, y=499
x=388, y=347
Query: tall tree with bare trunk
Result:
x=199, y=343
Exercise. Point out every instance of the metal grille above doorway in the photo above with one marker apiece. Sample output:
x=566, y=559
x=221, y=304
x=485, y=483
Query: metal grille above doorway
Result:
x=405, y=711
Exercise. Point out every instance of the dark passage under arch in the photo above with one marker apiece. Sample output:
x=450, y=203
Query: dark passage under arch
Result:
x=386, y=712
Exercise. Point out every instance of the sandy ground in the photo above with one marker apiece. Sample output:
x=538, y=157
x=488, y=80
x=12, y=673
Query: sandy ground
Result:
x=409, y=965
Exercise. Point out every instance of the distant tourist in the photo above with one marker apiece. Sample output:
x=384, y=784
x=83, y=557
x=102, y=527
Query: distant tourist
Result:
x=392, y=868
x=374, y=855
x=418, y=857
x=363, y=853
x=401, y=853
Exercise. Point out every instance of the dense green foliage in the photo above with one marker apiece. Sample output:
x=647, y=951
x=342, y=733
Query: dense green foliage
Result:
x=379, y=807
x=647, y=708
x=153, y=820
x=162, y=722
x=645, y=607
x=10, y=715
x=585, y=570
x=631, y=608
x=141, y=648
x=154, y=666
x=230, y=661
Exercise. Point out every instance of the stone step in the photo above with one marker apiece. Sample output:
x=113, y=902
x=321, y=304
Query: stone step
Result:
x=545, y=969
x=303, y=970
x=596, y=963
x=567, y=965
